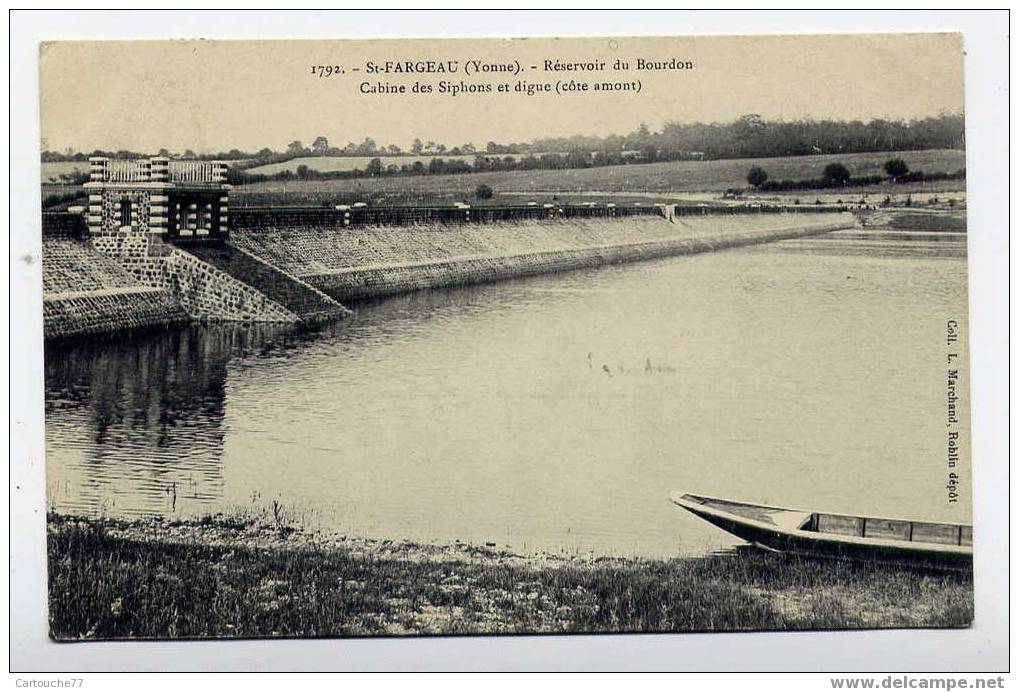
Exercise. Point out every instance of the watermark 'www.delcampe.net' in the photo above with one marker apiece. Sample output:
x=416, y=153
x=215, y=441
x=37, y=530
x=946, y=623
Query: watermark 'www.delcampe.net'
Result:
x=905, y=682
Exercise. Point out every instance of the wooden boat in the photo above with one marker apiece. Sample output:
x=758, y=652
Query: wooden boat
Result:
x=826, y=534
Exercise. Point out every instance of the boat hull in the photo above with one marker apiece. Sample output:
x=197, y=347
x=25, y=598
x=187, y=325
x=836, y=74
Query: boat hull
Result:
x=834, y=546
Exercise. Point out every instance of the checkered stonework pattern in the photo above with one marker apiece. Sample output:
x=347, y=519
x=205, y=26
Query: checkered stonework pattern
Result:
x=156, y=187
x=111, y=221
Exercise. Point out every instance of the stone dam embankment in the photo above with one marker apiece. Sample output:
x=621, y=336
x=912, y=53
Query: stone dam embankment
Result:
x=109, y=284
x=354, y=264
x=284, y=270
x=88, y=292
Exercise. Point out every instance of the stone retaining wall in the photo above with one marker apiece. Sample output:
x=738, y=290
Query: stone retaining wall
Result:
x=268, y=218
x=371, y=282
x=205, y=292
x=57, y=224
x=130, y=281
x=88, y=292
x=98, y=312
x=359, y=263
x=133, y=280
x=71, y=266
x=302, y=299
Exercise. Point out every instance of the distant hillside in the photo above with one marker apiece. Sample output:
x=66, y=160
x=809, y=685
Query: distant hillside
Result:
x=670, y=177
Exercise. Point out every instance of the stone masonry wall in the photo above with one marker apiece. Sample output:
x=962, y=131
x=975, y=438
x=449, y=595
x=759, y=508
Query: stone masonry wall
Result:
x=205, y=292
x=368, y=262
x=87, y=292
x=126, y=281
x=137, y=280
x=293, y=293
x=371, y=282
x=71, y=266
x=101, y=312
x=62, y=225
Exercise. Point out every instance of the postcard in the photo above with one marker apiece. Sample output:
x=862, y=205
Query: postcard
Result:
x=353, y=338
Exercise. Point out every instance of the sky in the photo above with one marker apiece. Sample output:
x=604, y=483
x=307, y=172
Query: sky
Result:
x=212, y=96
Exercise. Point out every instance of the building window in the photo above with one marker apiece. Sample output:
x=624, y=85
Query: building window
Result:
x=125, y=211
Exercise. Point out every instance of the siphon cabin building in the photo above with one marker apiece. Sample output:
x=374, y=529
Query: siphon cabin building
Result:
x=179, y=200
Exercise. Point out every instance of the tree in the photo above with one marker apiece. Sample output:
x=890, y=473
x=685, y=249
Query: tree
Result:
x=756, y=176
x=417, y=146
x=374, y=167
x=368, y=147
x=483, y=192
x=748, y=133
x=295, y=148
x=896, y=168
x=320, y=146
x=642, y=137
x=836, y=173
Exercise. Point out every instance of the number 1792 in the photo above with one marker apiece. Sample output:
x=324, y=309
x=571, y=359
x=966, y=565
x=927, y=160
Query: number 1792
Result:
x=325, y=70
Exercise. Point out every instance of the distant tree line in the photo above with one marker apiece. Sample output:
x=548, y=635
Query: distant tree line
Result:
x=837, y=174
x=749, y=136
x=240, y=175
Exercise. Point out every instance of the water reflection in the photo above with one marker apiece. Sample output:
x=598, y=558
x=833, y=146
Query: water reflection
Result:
x=139, y=420
x=553, y=412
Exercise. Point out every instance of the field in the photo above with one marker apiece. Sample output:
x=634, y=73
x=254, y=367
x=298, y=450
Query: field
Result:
x=645, y=183
x=52, y=170
x=238, y=578
x=663, y=179
x=348, y=163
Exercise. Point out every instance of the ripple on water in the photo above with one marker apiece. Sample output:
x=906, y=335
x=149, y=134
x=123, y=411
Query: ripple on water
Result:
x=553, y=412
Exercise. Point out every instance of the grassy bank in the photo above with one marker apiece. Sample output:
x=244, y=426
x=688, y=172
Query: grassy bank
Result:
x=669, y=177
x=224, y=578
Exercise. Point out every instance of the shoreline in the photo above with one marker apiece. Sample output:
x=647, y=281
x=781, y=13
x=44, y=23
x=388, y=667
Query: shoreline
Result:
x=273, y=270
x=239, y=578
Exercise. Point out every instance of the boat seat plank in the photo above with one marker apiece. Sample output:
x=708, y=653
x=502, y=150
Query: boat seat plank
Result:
x=946, y=534
x=840, y=524
x=887, y=528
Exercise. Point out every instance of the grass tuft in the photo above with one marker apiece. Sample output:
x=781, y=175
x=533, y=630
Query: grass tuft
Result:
x=219, y=577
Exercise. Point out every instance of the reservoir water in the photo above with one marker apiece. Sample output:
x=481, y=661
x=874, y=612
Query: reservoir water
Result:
x=550, y=413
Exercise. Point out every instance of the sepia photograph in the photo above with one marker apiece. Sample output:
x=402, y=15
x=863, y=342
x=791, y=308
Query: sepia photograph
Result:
x=482, y=337
x=479, y=336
